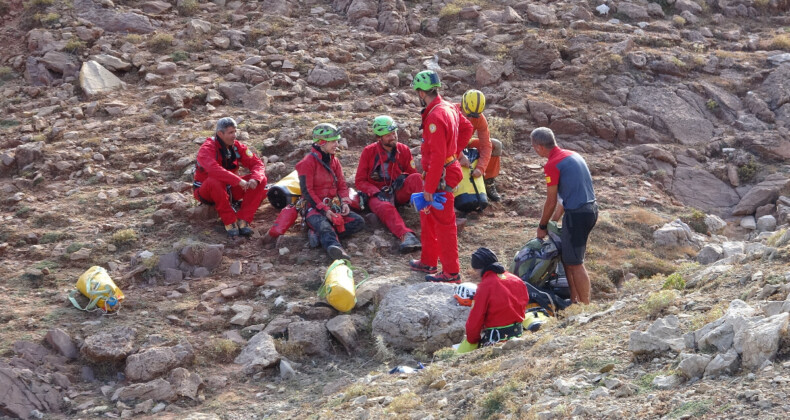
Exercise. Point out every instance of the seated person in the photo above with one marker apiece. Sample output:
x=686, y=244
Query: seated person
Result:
x=472, y=105
x=499, y=304
x=387, y=175
x=217, y=182
x=325, y=193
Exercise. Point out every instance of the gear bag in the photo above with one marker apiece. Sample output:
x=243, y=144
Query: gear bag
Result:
x=470, y=195
x=285, y=191
x=97, y=286
x=537, y=264
x=338, y=288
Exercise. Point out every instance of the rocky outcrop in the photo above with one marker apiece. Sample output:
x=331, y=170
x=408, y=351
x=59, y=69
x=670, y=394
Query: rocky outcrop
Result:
x=111, y=20
x=258, y=354
x=698, y=188
x=672, y=113
x=112, y=345
x=24, y=393
x=763, y=193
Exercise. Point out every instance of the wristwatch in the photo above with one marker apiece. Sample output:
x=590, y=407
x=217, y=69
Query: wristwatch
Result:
x=543, y=227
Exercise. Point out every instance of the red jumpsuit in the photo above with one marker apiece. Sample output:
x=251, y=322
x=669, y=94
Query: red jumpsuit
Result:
x=217, y=169
x=378, y=169
x=487, y=163
x=500, y=300
x=445, y=133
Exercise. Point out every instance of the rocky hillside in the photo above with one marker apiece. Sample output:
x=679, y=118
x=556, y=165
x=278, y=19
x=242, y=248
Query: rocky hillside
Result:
x=681, y=108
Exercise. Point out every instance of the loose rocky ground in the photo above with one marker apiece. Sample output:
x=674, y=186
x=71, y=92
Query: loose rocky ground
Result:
x=681, y=108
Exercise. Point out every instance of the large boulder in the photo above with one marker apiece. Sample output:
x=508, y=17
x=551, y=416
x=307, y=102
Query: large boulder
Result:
x=535, y=55
x=112, y=345
x=185, y=383
x=776, y=87
x=311, y=337
x=763, y=193
x=675, y=233
x=421, y=316
x=693, y=365
x=60, y=62
x=760, y=342
x=672, y=113
x=327, y=76
x=150, y=364
x=22, y=392
x=663, y=335
x=723, y=364
x=95, y=79
x=111, y=20
x=698, y=188
x=259, y=353
x=157, y=390
x=62, y=343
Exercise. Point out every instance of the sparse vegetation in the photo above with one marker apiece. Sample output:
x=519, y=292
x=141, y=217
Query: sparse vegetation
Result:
x=160, y=42
x=496, y=401
x=678, y=20
x=3, y=7
x=711, y=104
x=177, y=56
x=39, y=4
x=187, y=7
x=47, y=19
x=52, y=237
x=657, y=302
x=6, y=73
x=696, y=221
x=780, y=42
x=75, y=45
x=674, y=282
x=221, y=350
x=747, y=172
x=124, y=237
x=454, y=7
x=691, y=409
x=8, y=123
x=503, y=129
x=134, y=38
x=404, y=402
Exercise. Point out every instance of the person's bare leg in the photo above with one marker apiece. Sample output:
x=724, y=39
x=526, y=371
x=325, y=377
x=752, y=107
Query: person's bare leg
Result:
x=571, y=285
x=577, y=275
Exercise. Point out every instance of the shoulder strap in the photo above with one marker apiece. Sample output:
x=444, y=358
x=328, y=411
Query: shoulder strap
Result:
x=331, y=172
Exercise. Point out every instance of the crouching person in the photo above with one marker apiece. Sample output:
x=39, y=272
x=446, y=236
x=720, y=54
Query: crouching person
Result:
x=499, y=303
x=326, y=194
x=217, y=182
x=386, y=173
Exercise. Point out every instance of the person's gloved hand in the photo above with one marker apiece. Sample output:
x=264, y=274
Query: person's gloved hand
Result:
x=398, y=182
x=438, y=200
x=384, y=195
x=418, y=201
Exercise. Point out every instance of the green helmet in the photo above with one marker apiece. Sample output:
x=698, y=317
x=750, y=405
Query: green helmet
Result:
x=383, y=125
x=426, y=80
x=325, y=132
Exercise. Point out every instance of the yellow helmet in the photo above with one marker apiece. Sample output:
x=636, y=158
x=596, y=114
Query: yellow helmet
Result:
x=473, y=103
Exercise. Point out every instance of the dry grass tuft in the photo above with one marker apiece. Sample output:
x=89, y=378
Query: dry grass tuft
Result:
x=404, y=402
x=658, y=302
x=221, y=350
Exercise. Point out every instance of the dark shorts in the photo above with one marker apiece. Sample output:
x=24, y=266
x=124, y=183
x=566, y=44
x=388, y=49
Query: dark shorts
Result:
x=576, y=227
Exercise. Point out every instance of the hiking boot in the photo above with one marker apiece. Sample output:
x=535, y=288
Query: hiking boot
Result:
x=312, y=238
x=337, y=253
x=444, y=278
x=244, y=228
x=232, y=230
x=410, y=243
x=491, y=191
x=416, y=265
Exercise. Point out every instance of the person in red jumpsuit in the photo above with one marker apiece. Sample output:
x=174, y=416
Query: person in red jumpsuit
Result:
x=499, y=304
x=326, y=193
x=445, y=133
x=217, y=181
x=386, y=174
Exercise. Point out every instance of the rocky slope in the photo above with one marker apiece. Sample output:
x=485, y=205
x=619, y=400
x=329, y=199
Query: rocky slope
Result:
x=682, y=109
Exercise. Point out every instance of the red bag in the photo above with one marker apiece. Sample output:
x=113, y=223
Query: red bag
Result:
x=339, y=222
x=284, y=221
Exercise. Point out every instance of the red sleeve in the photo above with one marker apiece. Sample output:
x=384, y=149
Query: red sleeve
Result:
x=465, y=131
x=306, y=168
x=435, y=133
x=207, y=159
x=406, y=160
x=552, y=173
x=474, y=324
x=484, y=145
x=252, y=162
x=361, y=179
x=342, y=187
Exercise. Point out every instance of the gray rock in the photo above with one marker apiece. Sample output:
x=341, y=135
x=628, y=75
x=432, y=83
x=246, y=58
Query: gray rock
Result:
x=542, y=14
x=709, y=254
x=374, y=290
x=714, y=223
x=667, y=382
x=700, y=189
x=286, y=370
x=258, y=354
x=748, y=222
x=774, y=87
x=233, y=91
x=722, y=364
x=24, y=391
x=761, y=341
x=343, y=329
x=173, y=276
x=150, y=364
x=311, y=336
x=62, y=343
x=633, y=11
x=763, y=193
x=663, y=335
x=719, y=338
x=112, y=345
x=62, y=63
x=185, y=383
x=688, y=6
x=95, y=79
x=766, y=224
x=243, y=314
x=733, y=248
x=155, y=7
x=675, y=233
x=235, y=268
x=197, y=27
x=535, y=55
x=420, y=316
x=111, y=63
x=681, y=119
x=327, y=76
x=157, y=390
x=111, y=20
x=693, y=365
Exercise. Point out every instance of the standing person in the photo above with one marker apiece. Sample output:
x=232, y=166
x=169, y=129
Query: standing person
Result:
x=326, y=193
x=387, y=174
x=568, y=177
x=472, y=105
x=217, y=181
x=443, y=129
x=499, y=304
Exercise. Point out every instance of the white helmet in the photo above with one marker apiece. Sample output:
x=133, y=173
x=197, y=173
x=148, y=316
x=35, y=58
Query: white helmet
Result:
x=465, y=293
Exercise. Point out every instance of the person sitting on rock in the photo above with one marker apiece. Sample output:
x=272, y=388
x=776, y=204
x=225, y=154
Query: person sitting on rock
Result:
x=388, y=176
x=499, y=304
x=217, y=181
x=472, y=105
x=326, y=194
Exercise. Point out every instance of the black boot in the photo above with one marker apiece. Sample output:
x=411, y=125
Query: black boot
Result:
x=410, y=243
x=337, y=253
x=491, y=191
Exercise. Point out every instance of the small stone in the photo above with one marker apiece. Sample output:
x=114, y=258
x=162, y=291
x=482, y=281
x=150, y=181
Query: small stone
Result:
x=235, y=268
x=159, y=407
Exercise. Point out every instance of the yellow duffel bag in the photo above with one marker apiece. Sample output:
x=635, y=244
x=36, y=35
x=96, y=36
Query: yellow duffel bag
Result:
x=97, y=286
x=285, y=191
x=470, y=195
x=339, y=288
